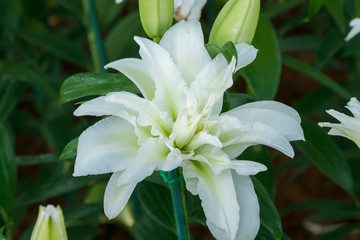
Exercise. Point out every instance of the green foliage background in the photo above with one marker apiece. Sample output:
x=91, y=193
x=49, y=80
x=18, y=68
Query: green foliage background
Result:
x=49, y=63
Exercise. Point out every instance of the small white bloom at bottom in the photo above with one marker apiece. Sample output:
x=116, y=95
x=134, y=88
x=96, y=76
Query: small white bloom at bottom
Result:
x=348, y=127
x=49, y=224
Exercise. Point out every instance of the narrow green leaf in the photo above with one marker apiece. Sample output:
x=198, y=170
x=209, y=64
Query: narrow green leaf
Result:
x=90, y=84
x=146, y=227
x=266, y=178
x=70, y=150
x=57, y=45
x=336, y=9
x=352, y=48
x=36, y=159
x=7, y=174
x=156, y=201
x=10, y=92
x=263, y=75
x=270, y=222
x=33, y=126
x=107, y=11
x=271, y=10
x=212, y=49
x=325, y=155
x=73, y=6
x=9, y=12
x=316, y=75
x=314, y=7
x=24, y=74
x=339, y=211
x=42, y=189
x=238, y=99
x=285, y=237
x=314, y=101
x=83, y=232
x=300, y=42
x=119, y=42
x=81, y=211
x=229, y=51
x=328, y=47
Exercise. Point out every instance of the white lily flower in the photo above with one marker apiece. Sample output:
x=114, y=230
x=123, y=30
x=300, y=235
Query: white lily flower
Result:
x=348, y=127
x=118, y=1
x=355, y=29
x=178, y=123
x=188, y=9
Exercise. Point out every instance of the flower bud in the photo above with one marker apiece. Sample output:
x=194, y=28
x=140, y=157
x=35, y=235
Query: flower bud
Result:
x=236, y=22
x=156, y=17
x=49, y=224
x=188, y=9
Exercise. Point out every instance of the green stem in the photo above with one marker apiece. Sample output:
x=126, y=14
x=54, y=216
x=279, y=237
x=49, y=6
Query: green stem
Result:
x=183, y=199
x=94, y=36
x=178, y=202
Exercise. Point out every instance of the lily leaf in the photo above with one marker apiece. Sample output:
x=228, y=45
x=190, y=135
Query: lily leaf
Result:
x=336, y=10
x=325, y=155
x=58, y=45
x=314, y=7
x=90, y=84
x=7, y=174
x=263, y=75
x=145, y=227
x=149, y=194
x=316, y=75
x=70, y=150
x=270, y=222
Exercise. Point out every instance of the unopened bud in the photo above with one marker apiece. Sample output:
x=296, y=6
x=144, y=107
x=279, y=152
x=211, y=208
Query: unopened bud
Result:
x=188, y=9
x=156, y=17
x=236, y=22
x=49, y=224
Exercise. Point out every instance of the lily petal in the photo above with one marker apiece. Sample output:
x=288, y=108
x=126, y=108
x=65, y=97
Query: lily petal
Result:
x=202, y=138
x=214, y=79
x=345, y=119
x=246, y=55
x=343, y=131
x=219, y=161
x=135, y=70
x=105, y=147
x=151, y=155
x=355, y=29
x=148, y=113
x=100, y=107
x=166, y=75
x=238, y=135
x=116, y=197
x=185, y=43
x=354, y=107
x=280, y=117
x=349, y=126
x=249, y=223
x=218, y=198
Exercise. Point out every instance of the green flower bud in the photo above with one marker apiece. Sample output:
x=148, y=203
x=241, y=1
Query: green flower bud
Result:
x=156, y=17
x=49, y=224
x=236, y=22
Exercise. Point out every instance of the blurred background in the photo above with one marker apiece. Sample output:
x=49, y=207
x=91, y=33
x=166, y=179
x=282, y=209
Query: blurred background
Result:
x=308, y=66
